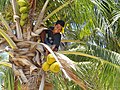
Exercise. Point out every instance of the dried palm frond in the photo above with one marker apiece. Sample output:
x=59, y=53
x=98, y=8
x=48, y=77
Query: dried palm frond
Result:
x=48, y=86
x=36, y=58
x=22, y=76
x=41, y=87
x=69, y=67
x=25, y=87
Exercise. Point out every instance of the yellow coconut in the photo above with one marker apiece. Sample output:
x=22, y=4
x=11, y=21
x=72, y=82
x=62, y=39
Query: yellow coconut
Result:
x=21, y=3
x=22, y=22
x=24, y=16
x=55, y=67
x=50, y=59
x=45, y=66
x=23, y=9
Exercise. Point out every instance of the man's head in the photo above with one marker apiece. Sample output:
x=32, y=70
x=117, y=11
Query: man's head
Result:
x=61, y=22
x=58, y=26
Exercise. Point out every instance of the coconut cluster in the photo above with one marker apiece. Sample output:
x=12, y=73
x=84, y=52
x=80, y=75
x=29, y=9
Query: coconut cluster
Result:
x=24, y=9
x=51, y=64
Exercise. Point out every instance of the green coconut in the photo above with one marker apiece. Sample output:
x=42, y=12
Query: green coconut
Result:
x=24, y=16
x=22, y=3
x=23, y=9
x=22, y=22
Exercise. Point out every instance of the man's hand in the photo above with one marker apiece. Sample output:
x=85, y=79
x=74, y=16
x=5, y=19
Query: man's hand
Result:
x=53, y=47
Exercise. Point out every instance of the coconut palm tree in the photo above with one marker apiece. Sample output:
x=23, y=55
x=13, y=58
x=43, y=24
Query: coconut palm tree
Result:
x=27, y=59
x=99, y=67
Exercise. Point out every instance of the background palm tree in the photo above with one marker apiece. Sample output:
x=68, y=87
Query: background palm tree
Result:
x=94, y=24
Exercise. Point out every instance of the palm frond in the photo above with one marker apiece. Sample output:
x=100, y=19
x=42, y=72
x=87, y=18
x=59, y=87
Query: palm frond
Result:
x=97, y=52
x=99, y=75
x=115, y=18
x=8, y=78
x=3, y=4
x=102, y=53
x=56, y=10
x=4, y=22
x=98, y=69
x=6, y=64
x=9, y=30
x=8, y=39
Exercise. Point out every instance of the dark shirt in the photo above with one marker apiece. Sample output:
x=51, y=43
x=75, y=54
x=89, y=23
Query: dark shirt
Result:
x=52, y=39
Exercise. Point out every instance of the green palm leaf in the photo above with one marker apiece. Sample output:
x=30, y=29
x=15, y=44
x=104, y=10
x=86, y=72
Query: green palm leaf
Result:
x=58, y=9
x=8, y=39
x=99, y=75
x=102, y=53
x=3, y=3
x=99, y=72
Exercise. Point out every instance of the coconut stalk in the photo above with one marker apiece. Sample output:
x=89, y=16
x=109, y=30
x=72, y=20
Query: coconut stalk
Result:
x=32, y=8
x=42, y=84
x=16, y=20
x=40, y=18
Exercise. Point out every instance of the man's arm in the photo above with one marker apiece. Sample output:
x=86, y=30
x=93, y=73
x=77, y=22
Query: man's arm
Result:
x=43, y=36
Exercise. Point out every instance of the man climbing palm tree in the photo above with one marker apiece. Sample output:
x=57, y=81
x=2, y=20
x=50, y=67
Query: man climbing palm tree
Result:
x=52, y=36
